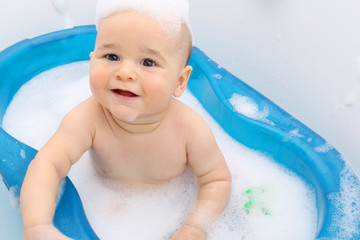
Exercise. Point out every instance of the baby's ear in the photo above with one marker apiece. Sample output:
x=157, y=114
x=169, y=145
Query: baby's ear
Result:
x=91, y=55
x=182, y=81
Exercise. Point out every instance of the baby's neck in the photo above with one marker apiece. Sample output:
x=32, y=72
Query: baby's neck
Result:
x=136, y=127
x=139, y=128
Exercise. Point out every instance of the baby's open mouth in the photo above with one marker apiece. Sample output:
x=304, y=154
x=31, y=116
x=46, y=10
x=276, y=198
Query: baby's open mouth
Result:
x=124, y=93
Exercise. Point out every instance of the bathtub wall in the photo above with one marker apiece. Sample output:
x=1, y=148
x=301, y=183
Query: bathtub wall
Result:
x=302, y=54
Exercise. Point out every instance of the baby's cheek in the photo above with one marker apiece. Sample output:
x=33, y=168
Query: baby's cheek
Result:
x=97, y=78
x=158, y=90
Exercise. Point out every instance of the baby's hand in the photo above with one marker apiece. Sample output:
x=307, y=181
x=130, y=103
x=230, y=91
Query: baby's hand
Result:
x=188, y=232
x=44, y=232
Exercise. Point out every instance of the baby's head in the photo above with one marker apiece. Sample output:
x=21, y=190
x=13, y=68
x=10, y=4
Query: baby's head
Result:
x=140, y=58
x=171, y=15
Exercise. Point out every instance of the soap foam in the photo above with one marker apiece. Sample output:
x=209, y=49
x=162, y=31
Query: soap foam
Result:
x=247, y=107
x=13, y=196
x=154, y=213
x=169, y=14
x=50, y=96
x=346, y=220
x=267, y=201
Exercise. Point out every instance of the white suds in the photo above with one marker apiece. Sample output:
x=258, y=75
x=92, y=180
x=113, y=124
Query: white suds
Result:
x=169, y=14
x=247, y=107
x=323, y=148
x=346, y=220
x=293, y=134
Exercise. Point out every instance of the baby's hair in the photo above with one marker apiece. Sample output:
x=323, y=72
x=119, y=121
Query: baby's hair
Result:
x=186, y=43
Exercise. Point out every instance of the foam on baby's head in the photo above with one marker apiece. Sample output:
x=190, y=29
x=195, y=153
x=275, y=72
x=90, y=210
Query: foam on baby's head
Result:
x=170, y=14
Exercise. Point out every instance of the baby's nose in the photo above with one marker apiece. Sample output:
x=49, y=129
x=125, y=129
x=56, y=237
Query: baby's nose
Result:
x=126, y=71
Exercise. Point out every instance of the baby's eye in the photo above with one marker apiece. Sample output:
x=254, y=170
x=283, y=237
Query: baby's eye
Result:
x=148, y=63
x=112, y=57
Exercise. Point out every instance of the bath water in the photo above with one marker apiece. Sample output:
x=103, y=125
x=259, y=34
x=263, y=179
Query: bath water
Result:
x=267, y=201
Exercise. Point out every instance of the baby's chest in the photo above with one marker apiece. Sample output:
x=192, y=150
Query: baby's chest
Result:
x=141, y=160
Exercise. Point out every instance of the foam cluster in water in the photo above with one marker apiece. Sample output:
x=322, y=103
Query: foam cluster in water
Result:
x=61, y=94
x=247, y=107
x=267, y=201
x=346, y=220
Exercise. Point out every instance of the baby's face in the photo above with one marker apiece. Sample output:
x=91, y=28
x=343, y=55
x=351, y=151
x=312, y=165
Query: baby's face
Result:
x=135, y=67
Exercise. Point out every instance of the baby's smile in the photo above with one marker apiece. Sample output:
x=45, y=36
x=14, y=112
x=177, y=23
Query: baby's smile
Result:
x=124, y=94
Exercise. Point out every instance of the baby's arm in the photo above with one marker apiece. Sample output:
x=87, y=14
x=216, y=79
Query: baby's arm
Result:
x=208, y=164
x=50, y=166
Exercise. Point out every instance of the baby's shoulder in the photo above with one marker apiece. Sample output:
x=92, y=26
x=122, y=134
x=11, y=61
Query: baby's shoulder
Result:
x=78, y=122
x=185, y=113
x=190, y=119
x=84, y=114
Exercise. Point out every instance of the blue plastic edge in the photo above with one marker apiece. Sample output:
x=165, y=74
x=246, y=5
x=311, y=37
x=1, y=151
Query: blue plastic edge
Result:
x=18, y=64
x=211, y=84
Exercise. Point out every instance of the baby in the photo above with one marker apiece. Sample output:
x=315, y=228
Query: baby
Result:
x=137, y=132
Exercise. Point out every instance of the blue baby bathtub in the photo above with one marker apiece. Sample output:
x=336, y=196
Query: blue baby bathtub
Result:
x=213, y=86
